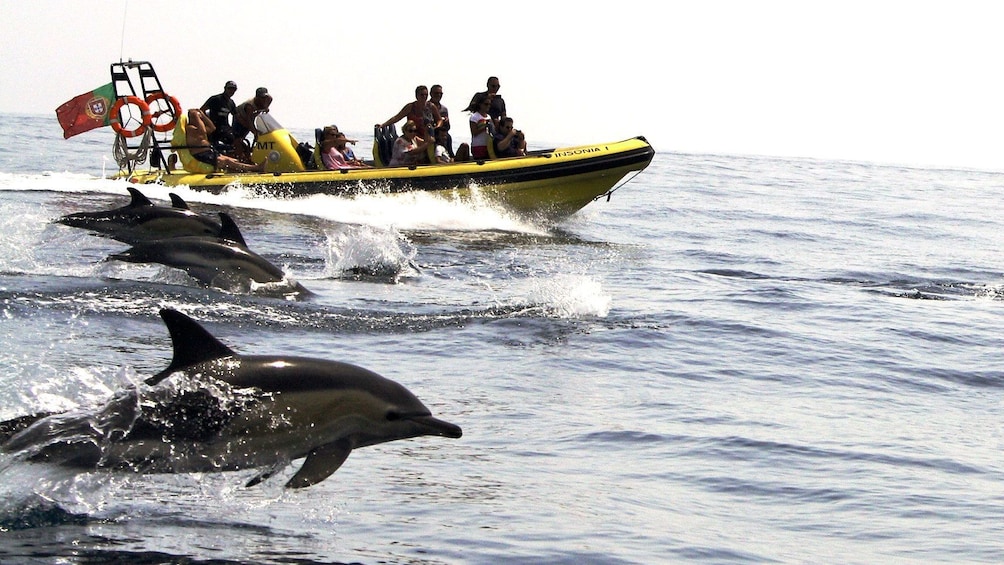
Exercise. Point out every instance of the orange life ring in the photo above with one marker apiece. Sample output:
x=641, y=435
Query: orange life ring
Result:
x=116, y=116
x=175, y=106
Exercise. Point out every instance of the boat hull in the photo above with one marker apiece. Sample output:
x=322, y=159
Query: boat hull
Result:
x=550, y=184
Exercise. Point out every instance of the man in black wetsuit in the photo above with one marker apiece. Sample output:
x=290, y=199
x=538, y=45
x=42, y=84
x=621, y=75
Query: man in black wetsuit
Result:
x=220, y=108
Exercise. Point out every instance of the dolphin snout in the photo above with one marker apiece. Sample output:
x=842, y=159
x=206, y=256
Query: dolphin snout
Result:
x=439, y=427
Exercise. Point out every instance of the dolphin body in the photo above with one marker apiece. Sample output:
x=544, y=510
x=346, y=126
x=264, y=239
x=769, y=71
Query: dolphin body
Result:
x=141, y=220
x=222, y=411
x=223, y=262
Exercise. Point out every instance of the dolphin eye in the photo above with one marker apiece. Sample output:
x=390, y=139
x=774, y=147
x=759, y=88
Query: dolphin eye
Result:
x=393, y=416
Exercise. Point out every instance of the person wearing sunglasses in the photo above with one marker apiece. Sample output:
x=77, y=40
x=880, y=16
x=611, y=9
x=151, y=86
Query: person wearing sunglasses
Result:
x=410, y=149
x=436, y=99
x=424, y=113
x=497, y=108
x=334, y=151
x=509, y=141
x=481, y=127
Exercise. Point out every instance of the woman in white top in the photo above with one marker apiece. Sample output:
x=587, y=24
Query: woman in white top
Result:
x=480, y=135
x=409, y=149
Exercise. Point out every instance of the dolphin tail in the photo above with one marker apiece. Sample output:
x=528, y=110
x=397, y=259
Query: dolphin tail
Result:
x=192, y=344
x=321, y=463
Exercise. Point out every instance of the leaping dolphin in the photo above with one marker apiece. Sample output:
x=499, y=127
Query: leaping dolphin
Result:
x=224, y=262
x=214, y=410
x=141, y=220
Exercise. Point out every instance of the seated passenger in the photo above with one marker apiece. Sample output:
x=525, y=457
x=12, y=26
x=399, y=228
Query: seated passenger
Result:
x=509, y=141
x=423, y=113
x=350, y=155
x=409, y=149
x=333, y=151
x=442, y=149
x=197, y=140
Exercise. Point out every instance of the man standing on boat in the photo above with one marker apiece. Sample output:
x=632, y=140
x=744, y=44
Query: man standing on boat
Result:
x=497, y=108
x=244, y=117
x=436, y=99
x=219, y=108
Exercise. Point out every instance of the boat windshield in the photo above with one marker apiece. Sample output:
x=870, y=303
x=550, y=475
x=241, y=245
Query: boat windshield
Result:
x=265, y=123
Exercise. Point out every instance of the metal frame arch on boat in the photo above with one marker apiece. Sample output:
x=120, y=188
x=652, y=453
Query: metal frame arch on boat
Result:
x=116, y=113
x=175, y=108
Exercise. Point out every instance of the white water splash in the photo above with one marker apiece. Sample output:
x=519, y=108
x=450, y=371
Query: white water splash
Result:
x=368, y=250
x=569, y=296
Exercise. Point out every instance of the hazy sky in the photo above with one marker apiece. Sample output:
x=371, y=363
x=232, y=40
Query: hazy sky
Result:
x=909, y=82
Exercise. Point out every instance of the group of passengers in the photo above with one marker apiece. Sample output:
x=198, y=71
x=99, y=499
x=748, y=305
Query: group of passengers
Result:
x=217, y=132
x=428, y=123
x=335, y=151
x=490, y=124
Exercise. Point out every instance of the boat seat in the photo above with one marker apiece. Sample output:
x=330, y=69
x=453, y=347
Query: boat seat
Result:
x=316, y=162
x=383, y=144
x=179, y=144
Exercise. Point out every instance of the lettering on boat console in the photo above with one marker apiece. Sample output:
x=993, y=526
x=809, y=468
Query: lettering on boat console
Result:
x=577, y=151
x=266, y=145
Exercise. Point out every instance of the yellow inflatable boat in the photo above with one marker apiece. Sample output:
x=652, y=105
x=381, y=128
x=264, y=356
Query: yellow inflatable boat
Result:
x=549, y=183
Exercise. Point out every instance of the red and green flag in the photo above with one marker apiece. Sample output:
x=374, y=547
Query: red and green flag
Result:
x=87, y=111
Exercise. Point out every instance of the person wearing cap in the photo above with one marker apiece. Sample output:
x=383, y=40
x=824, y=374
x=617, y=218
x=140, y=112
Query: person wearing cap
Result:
x=245, y=114
x=219, y=108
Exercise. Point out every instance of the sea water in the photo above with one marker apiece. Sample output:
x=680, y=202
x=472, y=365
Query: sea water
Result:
x=735, y=359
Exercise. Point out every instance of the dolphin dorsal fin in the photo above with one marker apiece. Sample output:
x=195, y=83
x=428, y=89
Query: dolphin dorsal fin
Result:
x=138, y=198
x=178, y=202
x=192, y=344
x=229, y=230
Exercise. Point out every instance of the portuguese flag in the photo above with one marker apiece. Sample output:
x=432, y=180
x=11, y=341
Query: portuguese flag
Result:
x=87, y=111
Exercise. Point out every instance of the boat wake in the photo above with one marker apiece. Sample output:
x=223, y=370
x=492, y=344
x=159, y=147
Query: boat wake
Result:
x=402, y=211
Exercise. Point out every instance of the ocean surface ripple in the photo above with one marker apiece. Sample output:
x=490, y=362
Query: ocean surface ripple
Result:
x=736, y=360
